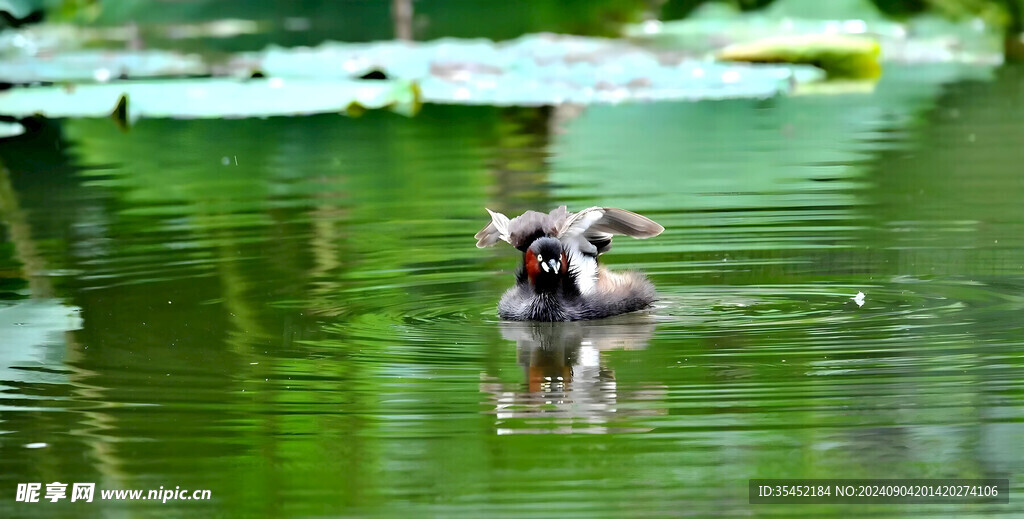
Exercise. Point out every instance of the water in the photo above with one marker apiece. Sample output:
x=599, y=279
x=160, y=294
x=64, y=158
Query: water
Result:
x=290, y=312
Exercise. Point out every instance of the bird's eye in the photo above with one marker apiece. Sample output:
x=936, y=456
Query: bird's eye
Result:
x=540, y=258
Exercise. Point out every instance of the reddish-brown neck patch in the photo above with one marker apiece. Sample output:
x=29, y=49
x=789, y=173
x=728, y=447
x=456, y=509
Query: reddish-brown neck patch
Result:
x=565, y=263
x=532, y=268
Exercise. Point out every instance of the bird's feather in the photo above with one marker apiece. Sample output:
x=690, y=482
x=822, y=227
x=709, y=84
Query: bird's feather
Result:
x=497, y=229
x=598, y=224
x=589, y=231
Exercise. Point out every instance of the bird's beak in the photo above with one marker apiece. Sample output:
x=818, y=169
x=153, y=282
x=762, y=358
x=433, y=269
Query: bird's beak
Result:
x=555, y=265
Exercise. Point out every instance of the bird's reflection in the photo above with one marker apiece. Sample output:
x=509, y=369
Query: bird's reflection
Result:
x=568, y=388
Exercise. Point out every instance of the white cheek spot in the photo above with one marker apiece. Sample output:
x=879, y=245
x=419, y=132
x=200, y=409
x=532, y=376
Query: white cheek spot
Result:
x=545, y=267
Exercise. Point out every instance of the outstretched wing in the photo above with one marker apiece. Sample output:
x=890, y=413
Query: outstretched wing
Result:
x=590, y=230
x=496, y=230
x=521, y=230
x=597, y=225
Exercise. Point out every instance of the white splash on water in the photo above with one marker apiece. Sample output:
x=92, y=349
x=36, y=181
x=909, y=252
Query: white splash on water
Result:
x=859, y=298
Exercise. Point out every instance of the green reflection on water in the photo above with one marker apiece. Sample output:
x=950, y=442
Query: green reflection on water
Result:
x=291, y=312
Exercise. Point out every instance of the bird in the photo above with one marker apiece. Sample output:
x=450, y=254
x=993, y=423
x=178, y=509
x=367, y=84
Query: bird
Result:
x=560, y=278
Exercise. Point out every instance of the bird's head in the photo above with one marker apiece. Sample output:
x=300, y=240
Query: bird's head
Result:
x=545, y=264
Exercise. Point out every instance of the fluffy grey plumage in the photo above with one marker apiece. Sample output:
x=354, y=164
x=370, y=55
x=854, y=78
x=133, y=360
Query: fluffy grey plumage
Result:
x=560, y=279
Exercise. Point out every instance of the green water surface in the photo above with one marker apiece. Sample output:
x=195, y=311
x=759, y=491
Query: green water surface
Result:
x=291, y=312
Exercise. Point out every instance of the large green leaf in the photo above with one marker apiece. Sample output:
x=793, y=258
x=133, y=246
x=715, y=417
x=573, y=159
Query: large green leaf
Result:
x=538, y=69
x=205, y=98
x=922, y=39
x=100, y=66
x=838, y=54
x=9, y=129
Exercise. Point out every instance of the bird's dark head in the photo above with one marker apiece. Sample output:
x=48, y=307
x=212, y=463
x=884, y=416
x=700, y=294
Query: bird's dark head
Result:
x=545, y=264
